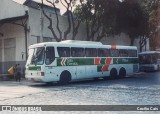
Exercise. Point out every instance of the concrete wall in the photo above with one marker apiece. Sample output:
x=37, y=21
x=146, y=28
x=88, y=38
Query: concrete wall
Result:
x=9, y=8
x=35, y=26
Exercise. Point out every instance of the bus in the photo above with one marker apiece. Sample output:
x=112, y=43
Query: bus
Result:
x=149, y=61
x=70, y=60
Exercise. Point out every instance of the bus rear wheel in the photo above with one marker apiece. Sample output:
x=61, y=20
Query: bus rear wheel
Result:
x=65, y=77
x=113, y=73
x=122, y=73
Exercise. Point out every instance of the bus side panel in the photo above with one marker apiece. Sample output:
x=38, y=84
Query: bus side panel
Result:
x=91, y=71
x=51, y=74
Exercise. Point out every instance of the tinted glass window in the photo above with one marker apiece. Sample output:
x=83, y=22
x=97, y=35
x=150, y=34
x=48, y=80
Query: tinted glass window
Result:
x=91, y=52
x=132, y=53
x=63, y=51
x=77, y=52
x=50, y=55
x=114, y=53
x=123, y=53
x=38, y=56
x=103, y=52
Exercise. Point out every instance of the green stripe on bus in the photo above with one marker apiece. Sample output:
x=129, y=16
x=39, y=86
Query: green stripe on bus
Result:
x=75, y=61
x=125, y=60
x=35, y=68
x=90, y=61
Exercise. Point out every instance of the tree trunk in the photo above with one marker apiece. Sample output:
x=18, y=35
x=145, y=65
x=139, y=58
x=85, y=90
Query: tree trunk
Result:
x=132, y=42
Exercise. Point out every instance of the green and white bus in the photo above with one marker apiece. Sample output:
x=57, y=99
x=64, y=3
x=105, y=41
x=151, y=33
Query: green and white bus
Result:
x=70, y=60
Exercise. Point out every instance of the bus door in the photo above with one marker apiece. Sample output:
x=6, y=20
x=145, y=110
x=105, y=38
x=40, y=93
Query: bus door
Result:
x=50, y=63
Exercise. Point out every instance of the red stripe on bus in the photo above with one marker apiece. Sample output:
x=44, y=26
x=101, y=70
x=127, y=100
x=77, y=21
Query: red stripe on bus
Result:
x=97, y=61
x=105, y=68
x=108, y=62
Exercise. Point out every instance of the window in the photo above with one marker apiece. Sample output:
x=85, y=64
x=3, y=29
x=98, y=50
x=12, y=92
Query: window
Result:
x=103, y=52
x=50, y=55
x=38, y=56
x=114, y=53
x=77, y=52
x=132, y=53
x=91, y=52
x=123, y=53
x=63, y=51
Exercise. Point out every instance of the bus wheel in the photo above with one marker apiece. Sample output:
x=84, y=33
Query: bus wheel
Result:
x=113, y=73
x=65, y=77
x=122, y=73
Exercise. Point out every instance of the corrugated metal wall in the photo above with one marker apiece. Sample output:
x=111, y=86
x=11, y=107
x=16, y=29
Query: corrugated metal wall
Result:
x=10, y=49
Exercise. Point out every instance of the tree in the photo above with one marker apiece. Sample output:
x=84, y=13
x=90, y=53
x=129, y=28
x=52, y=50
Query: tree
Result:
x=132, y=19
x=145, y=34
x=150, y=9
x=99, y=17
x=73, y=23
x=153, y=23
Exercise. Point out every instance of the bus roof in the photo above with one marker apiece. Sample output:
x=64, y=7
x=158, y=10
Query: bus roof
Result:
x=149, y=52
x=81, y=42
x=75, y=43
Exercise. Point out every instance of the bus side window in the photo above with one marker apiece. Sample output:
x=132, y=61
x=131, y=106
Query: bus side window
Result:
x=114, y=52
x=50, y=55
x=123, y=53
x=103, y=52
x=63, y=51
x=77, y=52
x=132, y=53
x=91, y=52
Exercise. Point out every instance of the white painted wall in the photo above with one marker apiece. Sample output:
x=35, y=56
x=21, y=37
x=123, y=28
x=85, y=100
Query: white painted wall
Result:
x=11, y=9
x=16, y=32
x=35, y=28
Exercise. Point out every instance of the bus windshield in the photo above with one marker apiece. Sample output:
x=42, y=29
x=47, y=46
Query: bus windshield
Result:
x=37, y=58
x=148, y=59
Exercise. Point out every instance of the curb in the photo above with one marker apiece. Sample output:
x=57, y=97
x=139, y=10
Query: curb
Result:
x=6, y=77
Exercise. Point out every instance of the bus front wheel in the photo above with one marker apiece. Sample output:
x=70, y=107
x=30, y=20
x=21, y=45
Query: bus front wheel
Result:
x=65, y=77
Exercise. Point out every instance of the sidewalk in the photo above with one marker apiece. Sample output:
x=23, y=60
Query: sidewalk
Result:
x=6, y=77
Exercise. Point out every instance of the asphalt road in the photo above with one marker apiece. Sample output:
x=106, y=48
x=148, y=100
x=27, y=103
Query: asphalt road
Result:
x=140, y=89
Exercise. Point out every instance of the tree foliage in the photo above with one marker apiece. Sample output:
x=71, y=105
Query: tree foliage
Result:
x=154, y=6
x=99, y=17
x=102, y=18
x=111, y=17
x=133, y=19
